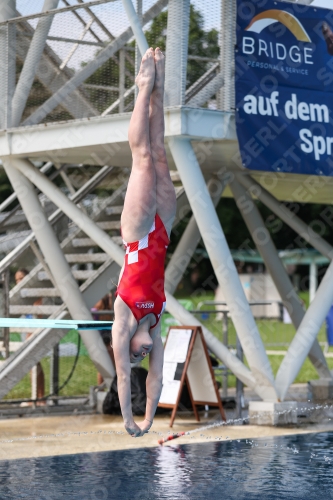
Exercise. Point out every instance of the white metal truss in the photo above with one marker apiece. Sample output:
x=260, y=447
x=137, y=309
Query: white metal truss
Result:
x=198, y=140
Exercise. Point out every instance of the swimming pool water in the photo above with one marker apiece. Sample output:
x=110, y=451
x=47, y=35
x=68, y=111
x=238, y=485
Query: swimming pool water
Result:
x=289, y=467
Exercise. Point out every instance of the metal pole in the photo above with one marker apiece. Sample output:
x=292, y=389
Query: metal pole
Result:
x=176, y=52
x=135, y=23
x=189, y=241
x=137, y=50
x=225, y=342
x=286, y=215
x=31, y=62
x=219, y=95
x=227, y=57
x=7, y=86
x=7, y=62
x=54, y=371
x=121, y=80
x=313, y=281
x=239, y=383
x=223, y=265
x=275, y=268
x=34, y=377
x=306, y=334
x=58, y=265
x=5, y=291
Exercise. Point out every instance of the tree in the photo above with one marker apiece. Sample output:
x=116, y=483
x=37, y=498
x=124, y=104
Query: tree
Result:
x=201, y=43
x=5, y=186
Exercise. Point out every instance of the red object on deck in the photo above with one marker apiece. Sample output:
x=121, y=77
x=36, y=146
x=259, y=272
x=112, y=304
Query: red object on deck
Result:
x=169, y=438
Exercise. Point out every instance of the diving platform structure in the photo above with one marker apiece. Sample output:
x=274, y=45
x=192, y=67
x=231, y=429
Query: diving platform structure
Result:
x=65, y=127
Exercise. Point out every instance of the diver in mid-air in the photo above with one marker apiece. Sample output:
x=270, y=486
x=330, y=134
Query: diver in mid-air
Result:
x=146, y=222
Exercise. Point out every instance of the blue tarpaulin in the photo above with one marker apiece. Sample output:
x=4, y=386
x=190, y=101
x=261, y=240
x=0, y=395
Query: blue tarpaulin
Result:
x=329, y=327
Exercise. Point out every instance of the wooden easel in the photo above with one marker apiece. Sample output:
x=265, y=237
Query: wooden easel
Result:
x=191, y=365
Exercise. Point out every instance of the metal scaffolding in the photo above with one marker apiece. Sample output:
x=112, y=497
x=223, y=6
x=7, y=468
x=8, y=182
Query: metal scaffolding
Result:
x=71, y=106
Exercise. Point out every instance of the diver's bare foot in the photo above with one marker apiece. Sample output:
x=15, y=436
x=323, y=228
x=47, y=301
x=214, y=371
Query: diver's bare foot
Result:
x=146, y=76
x=328, y=35
x=159, y=70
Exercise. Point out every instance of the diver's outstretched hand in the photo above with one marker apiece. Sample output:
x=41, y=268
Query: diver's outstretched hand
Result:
x=138, y=430
x=134, y=430
x=145, y=426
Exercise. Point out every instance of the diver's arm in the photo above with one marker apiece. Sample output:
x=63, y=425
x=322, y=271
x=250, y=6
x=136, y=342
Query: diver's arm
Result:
x=154, y=382
x=123, y=368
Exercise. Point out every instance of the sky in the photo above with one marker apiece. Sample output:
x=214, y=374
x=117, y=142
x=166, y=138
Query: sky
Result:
x=114, y=17
x=326, y=4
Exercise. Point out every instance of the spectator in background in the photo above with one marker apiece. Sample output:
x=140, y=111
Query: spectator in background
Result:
x=19, y=275
x=104, y=304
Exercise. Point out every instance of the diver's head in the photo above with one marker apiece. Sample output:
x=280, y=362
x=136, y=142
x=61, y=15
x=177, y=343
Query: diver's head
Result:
x=141, y=343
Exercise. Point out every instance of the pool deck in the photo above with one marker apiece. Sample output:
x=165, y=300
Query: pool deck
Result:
x=37, y=437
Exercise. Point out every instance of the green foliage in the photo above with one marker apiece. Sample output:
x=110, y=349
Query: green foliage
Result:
x=156, y=35
x=234, y=227
x=201, y=43
x=5, y=186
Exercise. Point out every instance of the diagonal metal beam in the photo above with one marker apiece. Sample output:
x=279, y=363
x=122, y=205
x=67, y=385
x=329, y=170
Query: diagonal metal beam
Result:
x=69, y=208
x=101, y=43
x=136, y=26
x=276, y=269
x=13, y=196
x=117, y=102
x=208, y=91
x=54, y=11
x=49, y=75
x=201, y=82
x=291, y=219
x=223, y=265
x=59, y=267
x=214, y=345
x=189, y=241
x=97, y=20
x=306, y=334
x=88, y=70
x=75, y=46
x=83, y=22
x=31, y=62
x=57, y=214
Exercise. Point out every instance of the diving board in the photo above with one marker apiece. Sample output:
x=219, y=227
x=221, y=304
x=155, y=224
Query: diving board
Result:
x=55, y=323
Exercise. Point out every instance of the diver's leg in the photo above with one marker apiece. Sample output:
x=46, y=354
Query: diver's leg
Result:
x=140, y=200
x=165, y=191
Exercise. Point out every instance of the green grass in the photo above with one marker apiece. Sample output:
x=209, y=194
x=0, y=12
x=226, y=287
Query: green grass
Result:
x=84, y=376
x=271, y=331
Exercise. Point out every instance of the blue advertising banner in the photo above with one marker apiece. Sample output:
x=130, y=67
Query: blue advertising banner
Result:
x=284, y=87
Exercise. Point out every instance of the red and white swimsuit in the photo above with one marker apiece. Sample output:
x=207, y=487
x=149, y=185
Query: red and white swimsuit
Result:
x=141, y=286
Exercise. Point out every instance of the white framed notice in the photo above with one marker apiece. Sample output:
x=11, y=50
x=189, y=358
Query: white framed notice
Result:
x=186, y=361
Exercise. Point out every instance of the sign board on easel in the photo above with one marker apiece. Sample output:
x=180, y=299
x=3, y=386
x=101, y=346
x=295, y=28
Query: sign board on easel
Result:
x=186, y=360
